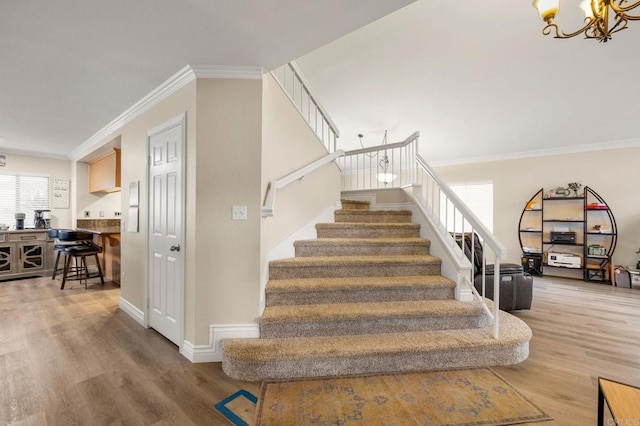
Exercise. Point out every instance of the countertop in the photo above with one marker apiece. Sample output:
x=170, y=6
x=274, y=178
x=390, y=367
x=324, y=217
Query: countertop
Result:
x=103, y=231
x=18, y=231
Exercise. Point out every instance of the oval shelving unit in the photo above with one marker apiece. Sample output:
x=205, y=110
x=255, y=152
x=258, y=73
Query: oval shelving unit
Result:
x=576, y=233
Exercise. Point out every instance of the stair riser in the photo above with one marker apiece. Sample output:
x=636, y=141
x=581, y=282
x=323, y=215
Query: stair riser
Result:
x=375, y=363
x=277, y=329
x=311, y=250
x=347, y=205
x=340, y=271
x=370, y=217
x=356, y=232
x=358, y=296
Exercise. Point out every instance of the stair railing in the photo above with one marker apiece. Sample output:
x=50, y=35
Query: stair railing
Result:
x=384, y=166
x=298, y=89
x=268, y=206
x=398, y=165
x=453, y=220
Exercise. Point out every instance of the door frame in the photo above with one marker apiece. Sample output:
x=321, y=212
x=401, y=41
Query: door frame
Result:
x=180, y=119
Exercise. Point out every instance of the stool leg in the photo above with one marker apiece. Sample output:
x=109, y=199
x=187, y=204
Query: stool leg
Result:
x=67, y=263
x=99, y=269
x=85, y=272
x=55, y=267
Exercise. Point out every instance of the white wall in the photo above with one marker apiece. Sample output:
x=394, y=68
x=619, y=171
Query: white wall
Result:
x=61, y=169
x=613, y=174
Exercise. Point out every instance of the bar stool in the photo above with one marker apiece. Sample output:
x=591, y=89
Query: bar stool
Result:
x=60, y=245
x=79, y=252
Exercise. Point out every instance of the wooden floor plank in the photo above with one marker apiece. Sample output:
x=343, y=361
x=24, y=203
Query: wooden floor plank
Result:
x=73, y=358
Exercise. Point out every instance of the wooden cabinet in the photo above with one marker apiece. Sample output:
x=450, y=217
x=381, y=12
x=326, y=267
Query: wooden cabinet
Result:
x=25, y=253
x=104, y=173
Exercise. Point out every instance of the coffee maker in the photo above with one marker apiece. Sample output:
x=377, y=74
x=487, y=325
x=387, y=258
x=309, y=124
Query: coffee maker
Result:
x=20, y=221
x=40, y=219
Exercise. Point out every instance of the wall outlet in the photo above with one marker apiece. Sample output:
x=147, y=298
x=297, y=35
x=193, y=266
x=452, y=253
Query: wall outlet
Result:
x=87, y=213
x=101, y=213
x=239, y=213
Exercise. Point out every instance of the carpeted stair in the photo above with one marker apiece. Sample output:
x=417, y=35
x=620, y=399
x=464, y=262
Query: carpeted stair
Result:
x=367, y=297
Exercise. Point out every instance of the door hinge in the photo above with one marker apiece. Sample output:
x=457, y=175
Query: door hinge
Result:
x=149, y=160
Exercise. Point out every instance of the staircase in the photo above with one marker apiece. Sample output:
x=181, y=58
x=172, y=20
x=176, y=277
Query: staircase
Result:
x=367, y=297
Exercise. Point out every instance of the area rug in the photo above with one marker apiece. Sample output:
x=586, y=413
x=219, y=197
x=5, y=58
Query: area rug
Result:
x=454, y=397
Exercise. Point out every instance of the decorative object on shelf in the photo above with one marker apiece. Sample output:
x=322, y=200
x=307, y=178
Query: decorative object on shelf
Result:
x=575, y=187
x=562, y=192
x=597, y=13
x=533, y=205
x=638, y=256
x=596, y=206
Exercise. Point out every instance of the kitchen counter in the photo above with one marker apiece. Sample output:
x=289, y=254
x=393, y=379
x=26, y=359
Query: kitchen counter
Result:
x=18, y=231
x=102, y=231
x=106, y=233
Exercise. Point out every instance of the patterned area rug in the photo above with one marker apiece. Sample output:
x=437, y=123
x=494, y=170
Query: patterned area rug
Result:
x=455, y=397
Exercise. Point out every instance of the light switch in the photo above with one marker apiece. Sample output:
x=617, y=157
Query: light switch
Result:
x=239, y=212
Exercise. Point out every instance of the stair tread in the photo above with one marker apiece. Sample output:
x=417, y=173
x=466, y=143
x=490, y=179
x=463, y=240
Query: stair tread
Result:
x=355, y=311
x=342, y=225
x=513, y=331
x=345, y=200
x=358, y=283
x=363, y=241
x=373, y=212
x=355, y=260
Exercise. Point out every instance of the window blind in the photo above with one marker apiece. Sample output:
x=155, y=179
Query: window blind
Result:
x=22, y=193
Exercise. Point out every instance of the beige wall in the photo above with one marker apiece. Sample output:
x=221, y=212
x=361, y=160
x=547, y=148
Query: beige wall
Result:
x=288, y=144
x=94, y=203
x=61, y=169
x=613, y=174
x=227, y=168
x=134, y=168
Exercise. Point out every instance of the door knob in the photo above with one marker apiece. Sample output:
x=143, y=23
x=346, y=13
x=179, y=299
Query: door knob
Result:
x=175, y=248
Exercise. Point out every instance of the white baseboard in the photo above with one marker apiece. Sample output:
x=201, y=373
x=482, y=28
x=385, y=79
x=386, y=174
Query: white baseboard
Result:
x=135, y=313
x=213, y=351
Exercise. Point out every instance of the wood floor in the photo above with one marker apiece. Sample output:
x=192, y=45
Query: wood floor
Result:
x=72, y=358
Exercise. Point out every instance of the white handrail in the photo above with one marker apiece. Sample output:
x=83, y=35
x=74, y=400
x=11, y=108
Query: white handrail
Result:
x=483, y=231
x=437, y=202
x=383, y=166
x=297, y=88
x=477, y=227
x=274, y=185
x=414, y=136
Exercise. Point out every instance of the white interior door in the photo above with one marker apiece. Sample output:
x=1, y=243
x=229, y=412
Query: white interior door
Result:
x=166, y=260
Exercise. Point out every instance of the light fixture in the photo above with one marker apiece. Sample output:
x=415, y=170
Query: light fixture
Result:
x=602, y=17
x=383, y=175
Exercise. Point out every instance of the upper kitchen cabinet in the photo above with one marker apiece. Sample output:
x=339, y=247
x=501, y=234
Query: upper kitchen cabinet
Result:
x=104, y=173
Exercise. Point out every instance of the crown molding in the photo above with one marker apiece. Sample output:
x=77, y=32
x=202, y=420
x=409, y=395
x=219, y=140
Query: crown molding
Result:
x=13, y=151
x=164, y=90
x=223, y=71
x=573, y=149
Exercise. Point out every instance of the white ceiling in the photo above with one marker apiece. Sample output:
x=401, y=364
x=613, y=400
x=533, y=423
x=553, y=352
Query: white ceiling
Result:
x=480, y=82
x=67, y=69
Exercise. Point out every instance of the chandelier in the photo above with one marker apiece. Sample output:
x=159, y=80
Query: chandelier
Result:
x=602, y=17
x=383, y=174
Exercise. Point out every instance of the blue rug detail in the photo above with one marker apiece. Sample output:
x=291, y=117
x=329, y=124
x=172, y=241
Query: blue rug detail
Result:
x=222, y=406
